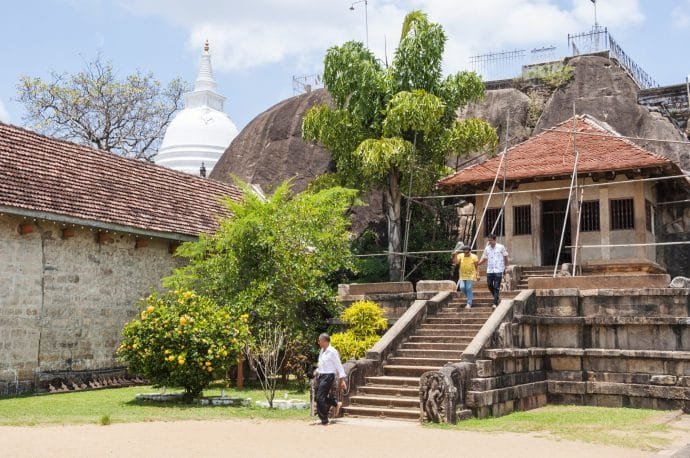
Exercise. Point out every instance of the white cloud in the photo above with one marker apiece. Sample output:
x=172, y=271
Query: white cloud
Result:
x=244, y=35
x=4, y=114
x=681, y=15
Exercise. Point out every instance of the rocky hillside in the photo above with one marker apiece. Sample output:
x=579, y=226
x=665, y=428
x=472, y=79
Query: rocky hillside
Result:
x=598, y=87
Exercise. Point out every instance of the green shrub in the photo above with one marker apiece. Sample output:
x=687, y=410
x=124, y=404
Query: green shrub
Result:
x=182, y=339
x=351, y=347
x=364, y=320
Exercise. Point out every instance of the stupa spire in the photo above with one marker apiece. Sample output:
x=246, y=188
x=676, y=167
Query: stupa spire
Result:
x=205, y=80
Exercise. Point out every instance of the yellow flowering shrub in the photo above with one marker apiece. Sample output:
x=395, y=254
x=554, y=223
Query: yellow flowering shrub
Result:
x=181, y=339
x=365, y=322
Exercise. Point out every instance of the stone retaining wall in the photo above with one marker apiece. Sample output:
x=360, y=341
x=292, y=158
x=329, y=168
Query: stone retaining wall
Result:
x=622, y=348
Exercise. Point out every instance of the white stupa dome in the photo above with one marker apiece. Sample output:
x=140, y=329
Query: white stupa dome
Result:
x=201, y=132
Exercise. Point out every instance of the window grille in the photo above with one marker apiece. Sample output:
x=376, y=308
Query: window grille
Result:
x=522, y=220
x=622, y=214
x=589, y=216
x=491, y=217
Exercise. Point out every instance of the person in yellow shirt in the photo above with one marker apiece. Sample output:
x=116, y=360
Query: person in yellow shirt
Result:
x=469, y=272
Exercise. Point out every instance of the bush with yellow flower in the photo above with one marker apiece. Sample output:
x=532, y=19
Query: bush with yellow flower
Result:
x=182, y=339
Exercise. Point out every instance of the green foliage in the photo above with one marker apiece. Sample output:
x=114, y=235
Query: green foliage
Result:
x=275, y=260
x=104, y=420
x=365, y=321
x=371, y=269
x=554, y=75
x=182, y=339
x=351, y=347
x=558, y=77
x=396, y=124
x=364, y=318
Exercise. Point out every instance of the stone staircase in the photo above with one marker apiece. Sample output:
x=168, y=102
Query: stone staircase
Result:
x=440, y=339
x=534, y=271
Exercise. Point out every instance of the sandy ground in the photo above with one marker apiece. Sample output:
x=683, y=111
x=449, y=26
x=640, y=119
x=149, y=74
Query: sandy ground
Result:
x=262, y=438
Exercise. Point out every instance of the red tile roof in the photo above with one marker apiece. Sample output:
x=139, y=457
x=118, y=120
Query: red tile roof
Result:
x=550, y=154
x=43, y=174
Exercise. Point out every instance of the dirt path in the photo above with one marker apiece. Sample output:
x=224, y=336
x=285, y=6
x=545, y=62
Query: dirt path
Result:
x=347, y=438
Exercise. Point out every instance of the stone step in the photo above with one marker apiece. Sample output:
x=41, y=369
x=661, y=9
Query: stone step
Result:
x=408, y=371
x=456, y=331
x=398, y=381
x=457, y=324
x=406, y=402
x=447, y=322
x=442, y=339
x=453, y=329
x=428, y=353
x=426, y=345
x=475, y=310
x=481, y=313
x=389, y=390
x=382, y=412
x=462, y=313
x=423, y=361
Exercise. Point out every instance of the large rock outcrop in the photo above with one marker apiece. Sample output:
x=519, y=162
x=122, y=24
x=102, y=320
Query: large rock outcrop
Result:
x=599, y=87
x=604, y=90
x=270, y=149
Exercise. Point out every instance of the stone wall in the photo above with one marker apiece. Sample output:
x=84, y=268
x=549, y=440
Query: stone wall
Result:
x=65, y=300
x=622, y=348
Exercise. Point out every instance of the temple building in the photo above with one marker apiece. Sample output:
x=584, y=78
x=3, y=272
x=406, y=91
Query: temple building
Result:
x=612, y=216
x=200, y=133
x=84, y=234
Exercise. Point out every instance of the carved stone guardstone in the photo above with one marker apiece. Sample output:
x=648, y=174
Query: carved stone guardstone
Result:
x=442, y=393
x=680, y=282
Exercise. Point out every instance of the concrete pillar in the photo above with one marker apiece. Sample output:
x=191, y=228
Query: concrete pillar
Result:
x=640, y=226
x=604, y=222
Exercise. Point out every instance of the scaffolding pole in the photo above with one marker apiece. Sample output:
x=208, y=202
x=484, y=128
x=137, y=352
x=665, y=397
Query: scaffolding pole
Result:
x=493, y=186
x=570, y=196
x=577, y=230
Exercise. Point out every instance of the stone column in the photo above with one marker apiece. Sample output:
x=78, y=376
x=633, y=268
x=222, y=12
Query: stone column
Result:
x=604, y=221
x=640, y=223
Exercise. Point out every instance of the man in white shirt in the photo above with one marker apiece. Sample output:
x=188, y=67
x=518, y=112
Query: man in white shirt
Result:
x=496, y=257
x=329, y=366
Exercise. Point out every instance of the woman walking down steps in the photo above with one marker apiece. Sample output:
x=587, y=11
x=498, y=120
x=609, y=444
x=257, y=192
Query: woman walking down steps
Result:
x=468, y=273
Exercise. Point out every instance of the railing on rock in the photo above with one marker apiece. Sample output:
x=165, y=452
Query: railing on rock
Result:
x=599, y=40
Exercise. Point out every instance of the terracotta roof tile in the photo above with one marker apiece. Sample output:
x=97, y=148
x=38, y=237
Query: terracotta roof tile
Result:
x=44, y=174
x=550, y=154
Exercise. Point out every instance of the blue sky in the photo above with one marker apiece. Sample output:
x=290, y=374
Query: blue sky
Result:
x=257, y=46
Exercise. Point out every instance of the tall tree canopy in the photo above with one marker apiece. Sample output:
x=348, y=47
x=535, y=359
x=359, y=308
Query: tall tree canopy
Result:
x=274, y=258
x=124, y=116
x=393, y=127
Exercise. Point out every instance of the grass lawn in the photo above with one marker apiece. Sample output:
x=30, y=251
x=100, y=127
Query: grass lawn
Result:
x=118, y=405
x=624, y=427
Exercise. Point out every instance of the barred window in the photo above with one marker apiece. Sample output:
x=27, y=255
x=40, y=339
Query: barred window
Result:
x=491, y=217
x=589, y=216
x=522, y=220
x=649, y=216
x=622, y=214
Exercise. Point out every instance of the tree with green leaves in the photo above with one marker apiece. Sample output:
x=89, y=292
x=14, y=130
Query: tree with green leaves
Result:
x=274, y=259
x=94, y=107
x=393, y=127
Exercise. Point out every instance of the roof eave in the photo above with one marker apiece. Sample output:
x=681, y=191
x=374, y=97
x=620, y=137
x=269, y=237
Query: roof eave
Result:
x=72, y=220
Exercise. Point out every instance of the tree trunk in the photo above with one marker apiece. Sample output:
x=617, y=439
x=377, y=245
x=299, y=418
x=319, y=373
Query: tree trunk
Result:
x=393, y=198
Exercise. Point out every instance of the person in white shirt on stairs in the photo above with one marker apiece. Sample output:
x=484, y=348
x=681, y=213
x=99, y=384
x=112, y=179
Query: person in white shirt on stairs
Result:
x=329, y=367
x=496, y=257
